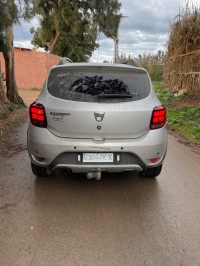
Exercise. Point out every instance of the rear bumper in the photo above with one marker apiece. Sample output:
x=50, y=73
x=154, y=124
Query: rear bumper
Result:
x=99, y=168
x=42, y=143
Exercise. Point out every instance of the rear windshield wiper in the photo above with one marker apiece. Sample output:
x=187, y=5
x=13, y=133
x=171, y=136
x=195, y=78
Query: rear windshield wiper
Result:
x=101, y=96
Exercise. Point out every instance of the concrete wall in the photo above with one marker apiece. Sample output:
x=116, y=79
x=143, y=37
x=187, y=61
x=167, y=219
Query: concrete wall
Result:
x=31, y=67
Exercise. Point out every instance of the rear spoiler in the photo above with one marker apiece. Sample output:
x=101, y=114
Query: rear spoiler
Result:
x=132, y=62
x=65, y=60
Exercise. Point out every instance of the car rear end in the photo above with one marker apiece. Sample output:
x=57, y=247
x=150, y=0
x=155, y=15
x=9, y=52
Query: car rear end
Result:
x=97, y=117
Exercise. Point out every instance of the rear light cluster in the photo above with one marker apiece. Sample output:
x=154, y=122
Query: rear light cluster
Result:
x=158, y=118
x=37, y=115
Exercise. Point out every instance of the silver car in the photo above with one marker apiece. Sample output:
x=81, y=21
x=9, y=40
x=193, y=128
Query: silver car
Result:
x=93, y=118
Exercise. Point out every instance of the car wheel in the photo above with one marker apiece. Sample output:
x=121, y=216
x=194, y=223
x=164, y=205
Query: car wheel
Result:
x=151, y=172
x=39, y=171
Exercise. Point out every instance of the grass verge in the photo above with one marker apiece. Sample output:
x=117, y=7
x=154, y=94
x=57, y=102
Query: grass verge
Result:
x=185, y=120
x=31, y=89
x=8, y=108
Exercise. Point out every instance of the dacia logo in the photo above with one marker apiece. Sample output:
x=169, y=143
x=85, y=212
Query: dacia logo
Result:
x=99, y=116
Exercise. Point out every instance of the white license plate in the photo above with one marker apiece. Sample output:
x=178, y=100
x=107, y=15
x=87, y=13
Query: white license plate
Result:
x=97, y=157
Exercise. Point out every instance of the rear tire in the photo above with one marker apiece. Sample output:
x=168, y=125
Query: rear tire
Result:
x=39, y=170
x=151, y=172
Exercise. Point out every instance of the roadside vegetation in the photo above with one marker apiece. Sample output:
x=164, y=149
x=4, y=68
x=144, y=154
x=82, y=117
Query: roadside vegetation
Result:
x=181, y=117
x=182, y=61
x=180, y=90
x=153, y=63
x=7, y=108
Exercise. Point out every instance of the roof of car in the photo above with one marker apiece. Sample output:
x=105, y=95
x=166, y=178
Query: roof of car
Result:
x=96, y=64
x=100, y=65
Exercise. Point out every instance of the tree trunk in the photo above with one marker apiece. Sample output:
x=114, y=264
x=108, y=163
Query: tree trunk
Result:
x=53, y=41
x=12, y=92
x=3, y=97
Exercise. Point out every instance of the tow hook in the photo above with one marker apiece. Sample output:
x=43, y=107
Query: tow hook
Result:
x=96, y=175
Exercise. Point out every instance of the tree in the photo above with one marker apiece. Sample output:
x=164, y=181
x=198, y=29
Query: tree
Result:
x=123, y=58
x=11, y=12
x=3, y=97
x=3, y=25
x=70, y=28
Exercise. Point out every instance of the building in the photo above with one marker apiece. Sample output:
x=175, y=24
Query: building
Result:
x=31, y=67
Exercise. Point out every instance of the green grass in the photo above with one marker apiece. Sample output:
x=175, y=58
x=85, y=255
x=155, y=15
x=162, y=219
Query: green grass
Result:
x=163, y=94
x=30, y=89
x=8, y=108
x=34, y=89
x=185, y=120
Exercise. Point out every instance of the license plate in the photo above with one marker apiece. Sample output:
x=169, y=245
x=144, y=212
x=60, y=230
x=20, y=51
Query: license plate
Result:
x=97, y=157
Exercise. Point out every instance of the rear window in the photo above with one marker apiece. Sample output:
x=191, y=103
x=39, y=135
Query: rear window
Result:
x=98, y=86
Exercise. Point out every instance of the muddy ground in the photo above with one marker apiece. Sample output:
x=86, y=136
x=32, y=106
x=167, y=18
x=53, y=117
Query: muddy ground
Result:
x=122, y=219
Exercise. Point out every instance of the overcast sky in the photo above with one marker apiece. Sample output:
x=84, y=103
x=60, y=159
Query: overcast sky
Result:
x=144, y=30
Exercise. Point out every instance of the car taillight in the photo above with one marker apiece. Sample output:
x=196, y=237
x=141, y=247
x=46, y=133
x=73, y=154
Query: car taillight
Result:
x=37, y=115
x=158, y=118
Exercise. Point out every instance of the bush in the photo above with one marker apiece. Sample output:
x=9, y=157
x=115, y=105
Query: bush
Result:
x=153, y=64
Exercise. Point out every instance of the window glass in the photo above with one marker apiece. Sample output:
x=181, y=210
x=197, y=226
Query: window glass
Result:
x=98, y=87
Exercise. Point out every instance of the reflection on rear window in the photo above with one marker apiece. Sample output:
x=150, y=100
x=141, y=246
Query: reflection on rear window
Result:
x=98, y=87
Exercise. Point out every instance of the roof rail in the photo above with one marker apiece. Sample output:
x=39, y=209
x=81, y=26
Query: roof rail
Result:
x=64, y=60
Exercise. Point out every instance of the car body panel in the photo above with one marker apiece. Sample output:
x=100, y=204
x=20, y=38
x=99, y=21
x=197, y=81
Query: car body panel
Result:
x=77, y=119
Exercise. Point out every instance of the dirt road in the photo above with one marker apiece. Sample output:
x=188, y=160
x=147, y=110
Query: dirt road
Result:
x=120, y=220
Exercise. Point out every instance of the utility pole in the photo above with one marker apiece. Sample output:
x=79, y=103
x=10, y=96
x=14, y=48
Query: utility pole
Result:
x=116, y=48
